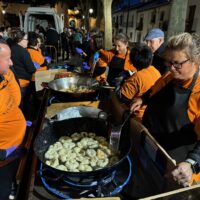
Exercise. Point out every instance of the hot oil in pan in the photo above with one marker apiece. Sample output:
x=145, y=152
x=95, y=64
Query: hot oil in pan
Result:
x=77, y=89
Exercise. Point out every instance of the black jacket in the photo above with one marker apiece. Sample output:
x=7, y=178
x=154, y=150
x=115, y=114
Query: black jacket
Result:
x=64, y=40
x=158, y=60
x=22, y=62
x=52, y=37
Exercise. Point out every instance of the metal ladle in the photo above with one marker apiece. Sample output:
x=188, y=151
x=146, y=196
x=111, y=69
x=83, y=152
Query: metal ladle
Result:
x=116, y=134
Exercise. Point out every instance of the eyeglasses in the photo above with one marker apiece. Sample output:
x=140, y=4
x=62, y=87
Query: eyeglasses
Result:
x=176, y=65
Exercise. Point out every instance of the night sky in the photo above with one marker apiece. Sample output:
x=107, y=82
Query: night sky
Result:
x=131, y=2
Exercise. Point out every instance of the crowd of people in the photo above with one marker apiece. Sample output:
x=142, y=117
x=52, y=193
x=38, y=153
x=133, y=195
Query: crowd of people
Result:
x=159, y=81
x=21, y=56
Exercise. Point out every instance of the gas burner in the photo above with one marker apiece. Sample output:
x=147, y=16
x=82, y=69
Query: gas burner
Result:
x=59, y=99
x=73, y=187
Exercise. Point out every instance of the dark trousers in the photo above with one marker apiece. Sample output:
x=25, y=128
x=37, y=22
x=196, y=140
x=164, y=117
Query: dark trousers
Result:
x=7, y=176
x=53, y=51
x=26, y=98
x=66, y=49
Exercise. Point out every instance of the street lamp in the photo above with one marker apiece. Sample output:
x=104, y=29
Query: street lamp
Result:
x=90, y=13
x=83, y=21
x=4, y=6
x=91, y=10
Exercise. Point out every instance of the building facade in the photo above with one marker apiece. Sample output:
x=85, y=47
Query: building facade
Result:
x=138, y=19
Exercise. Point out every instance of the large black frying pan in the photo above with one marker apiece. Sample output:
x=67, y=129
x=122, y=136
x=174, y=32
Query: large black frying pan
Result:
x=54, y=131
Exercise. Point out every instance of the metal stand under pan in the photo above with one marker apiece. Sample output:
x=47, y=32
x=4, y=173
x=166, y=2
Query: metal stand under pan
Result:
x=61, y=99
x=69, y=188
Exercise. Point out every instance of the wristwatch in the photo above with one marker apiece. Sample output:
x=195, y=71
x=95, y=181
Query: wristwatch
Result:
x=194, y=165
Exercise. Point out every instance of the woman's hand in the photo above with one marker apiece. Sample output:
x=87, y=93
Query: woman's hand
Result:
x=37, y=65
x=80, y=52
x=48, y=59
x=183, y=174
x=136, y=104
x=85, y=66
x=96, y=57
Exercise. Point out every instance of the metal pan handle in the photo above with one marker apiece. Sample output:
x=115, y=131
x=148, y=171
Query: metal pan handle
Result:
x=102, y=115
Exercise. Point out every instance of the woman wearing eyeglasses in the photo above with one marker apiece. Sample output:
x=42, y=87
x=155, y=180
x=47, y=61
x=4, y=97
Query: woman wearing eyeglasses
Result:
x=173, y=107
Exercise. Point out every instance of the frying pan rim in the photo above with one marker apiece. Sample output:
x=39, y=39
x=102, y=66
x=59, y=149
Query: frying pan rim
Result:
x=107, y=168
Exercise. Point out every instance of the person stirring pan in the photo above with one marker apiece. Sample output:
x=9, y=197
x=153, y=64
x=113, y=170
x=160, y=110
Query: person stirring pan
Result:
x=173, y=110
